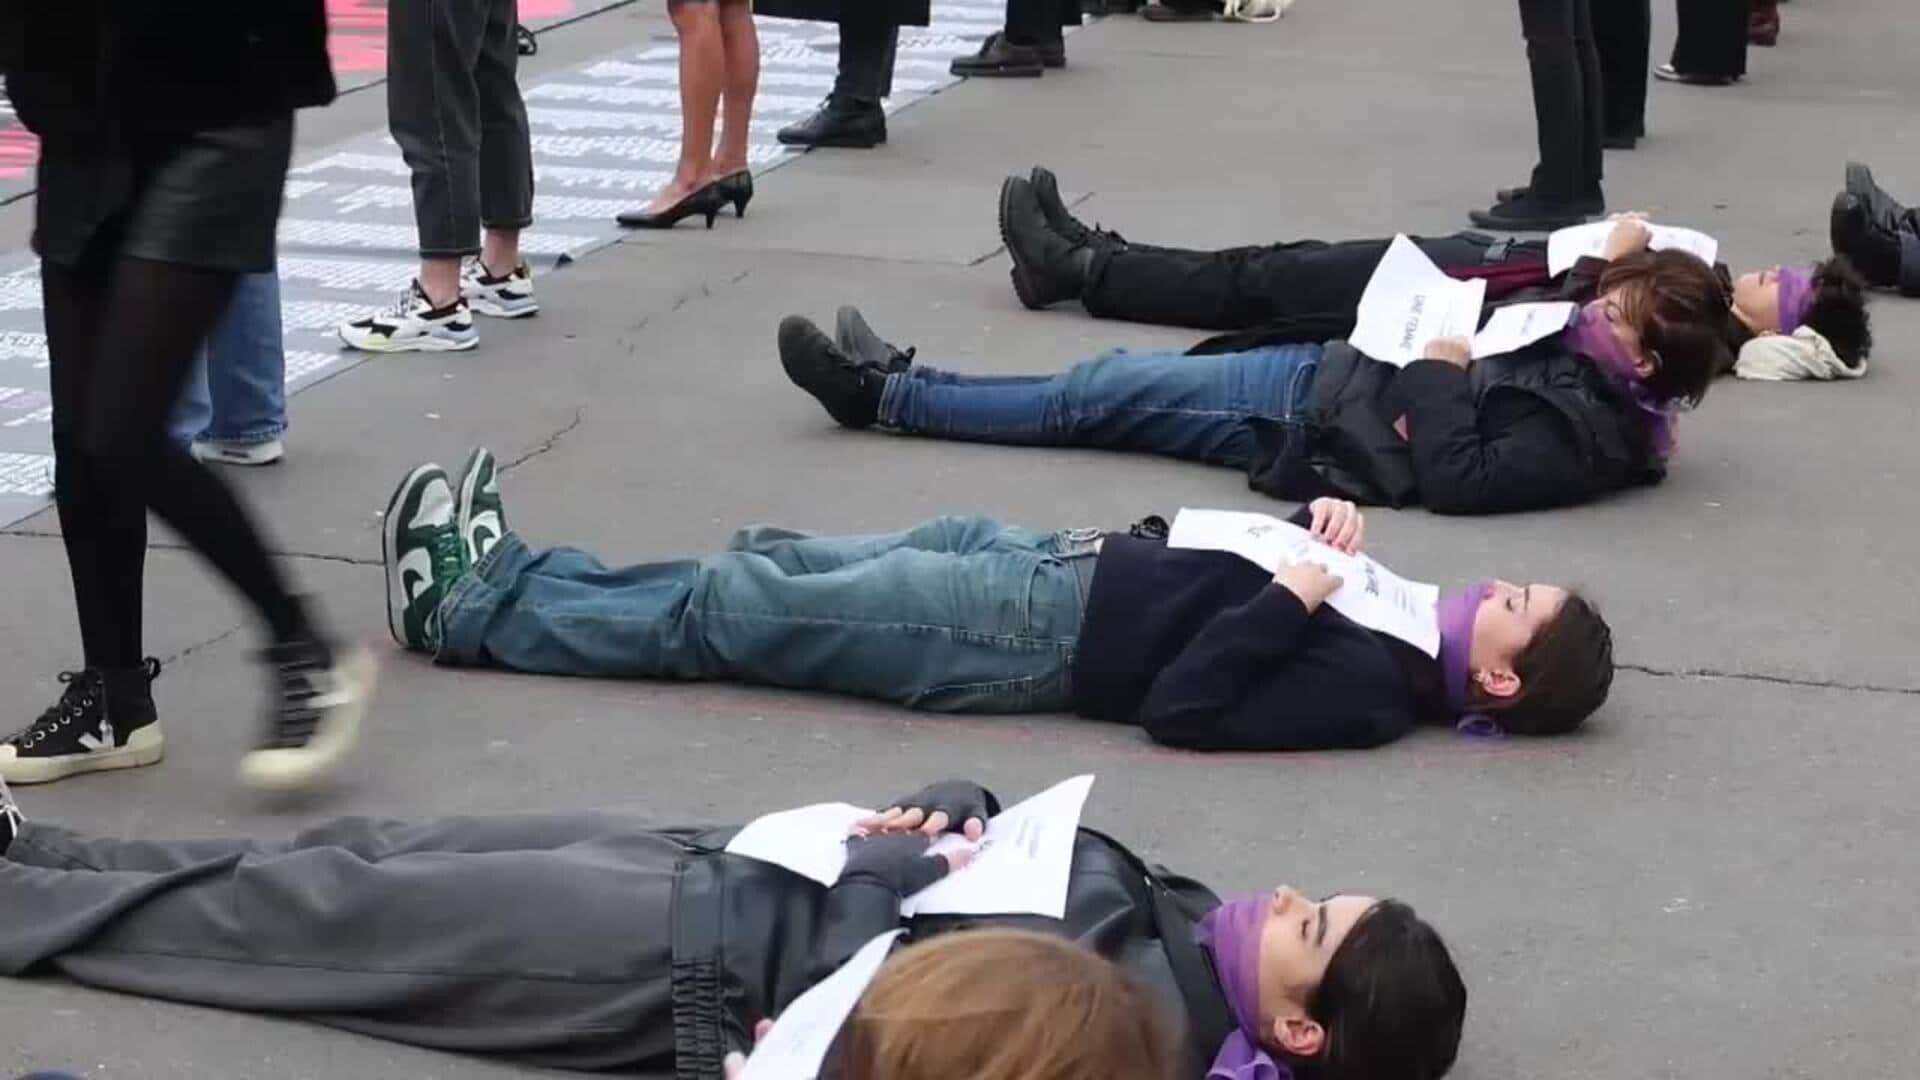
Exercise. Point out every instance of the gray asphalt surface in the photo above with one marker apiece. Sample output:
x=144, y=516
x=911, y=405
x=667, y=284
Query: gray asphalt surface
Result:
x=1715, y=879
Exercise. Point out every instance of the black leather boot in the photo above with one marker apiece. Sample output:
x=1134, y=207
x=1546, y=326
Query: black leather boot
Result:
x=1047, y=267
x=839, y=122
x=1883, y=210
x=1868, y=241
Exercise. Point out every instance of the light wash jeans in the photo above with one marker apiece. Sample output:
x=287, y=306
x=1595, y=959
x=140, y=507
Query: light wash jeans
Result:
x=1191, y=407
x=237, y=391
x=960, y=614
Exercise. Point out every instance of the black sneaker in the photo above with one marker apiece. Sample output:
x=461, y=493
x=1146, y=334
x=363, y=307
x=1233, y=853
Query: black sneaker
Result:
x=318, y=700
x=999, y=58
x=1593, y=202
x=1530, y=213
x=1053, y=53
x=866, y=348
x=839, y=122
x=1047, y=268
x=849, y=392
x=104, y=720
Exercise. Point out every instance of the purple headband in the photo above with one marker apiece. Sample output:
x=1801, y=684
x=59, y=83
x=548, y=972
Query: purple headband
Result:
x=1796, y=296
x=1232, y=933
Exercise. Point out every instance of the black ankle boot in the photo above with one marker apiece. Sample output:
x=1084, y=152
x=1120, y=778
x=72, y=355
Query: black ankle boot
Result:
x=1883, y=210
x=841, y=122
x=1872, y=248
x=1046, y=191
x=104, y=720
x=864, y=347
x=849, y=392
x=1047, y=267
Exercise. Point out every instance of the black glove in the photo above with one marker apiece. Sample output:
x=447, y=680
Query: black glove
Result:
x=958, y=799
x=897, y=862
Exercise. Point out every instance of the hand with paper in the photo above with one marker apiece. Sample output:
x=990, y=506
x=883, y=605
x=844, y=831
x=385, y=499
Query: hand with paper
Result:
x=900, y=862
x=957, y=805
x=1409, y=304
x=1566, y=247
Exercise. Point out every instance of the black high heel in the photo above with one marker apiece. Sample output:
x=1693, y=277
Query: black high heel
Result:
x=737, y=188
x=707, y=199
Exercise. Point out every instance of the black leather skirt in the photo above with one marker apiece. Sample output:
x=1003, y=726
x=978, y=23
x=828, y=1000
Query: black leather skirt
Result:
x=204, y=198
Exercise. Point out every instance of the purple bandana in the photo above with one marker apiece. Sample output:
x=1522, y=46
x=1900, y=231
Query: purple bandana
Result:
x=1796, y=296
x=1592, y=337
x=1457, y=611
x=1232, y=932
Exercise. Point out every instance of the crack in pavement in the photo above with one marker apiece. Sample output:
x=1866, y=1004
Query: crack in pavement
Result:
x=1762, y=677
x=579, y=415
x=165, y=545
x=208, y=643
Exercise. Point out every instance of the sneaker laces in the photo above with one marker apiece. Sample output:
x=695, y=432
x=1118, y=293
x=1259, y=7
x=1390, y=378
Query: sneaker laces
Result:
x=73, y=704
x=449, y=554
x=403, y=307
x=298, y=718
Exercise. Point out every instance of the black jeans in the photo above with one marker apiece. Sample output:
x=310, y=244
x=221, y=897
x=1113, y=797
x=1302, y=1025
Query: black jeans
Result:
x=1712, y=38
x=1030, y=22
x=1566, y=96
x=867, y=48
x=1623, y=34
x=454, y=107
x=1241, y=288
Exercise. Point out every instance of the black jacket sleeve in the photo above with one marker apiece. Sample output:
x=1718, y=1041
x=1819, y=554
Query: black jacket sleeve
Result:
x=857, y=911
x=1520, y=456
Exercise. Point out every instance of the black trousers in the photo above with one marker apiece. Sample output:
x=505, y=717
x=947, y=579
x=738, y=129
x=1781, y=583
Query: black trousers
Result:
x=454, y=106
x=867, y=49
x=1712, y=38
x=1030, y=22
x=1241, y=288
x=1565, y=67
x=1623, y=34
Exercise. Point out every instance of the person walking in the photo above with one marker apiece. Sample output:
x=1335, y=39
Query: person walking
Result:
x=165, y=136
x=852, y=116
x=719, y=61
x=1710, y=46
x=454, y=107
x=1565, y=66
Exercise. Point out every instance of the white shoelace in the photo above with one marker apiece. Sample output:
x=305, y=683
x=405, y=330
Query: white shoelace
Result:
x=10, y=809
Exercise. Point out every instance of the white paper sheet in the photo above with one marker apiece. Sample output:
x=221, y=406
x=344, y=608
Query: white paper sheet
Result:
x=1023, y=864
x=1567, y=246
x=1408, y=302
x=1517, y=326
x=801, y=1036
x=1369, y=594
x=810, y=840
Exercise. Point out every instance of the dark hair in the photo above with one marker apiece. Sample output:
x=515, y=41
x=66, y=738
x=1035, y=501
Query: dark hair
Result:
x=1565, y=673
x=1839, y=309
x=1392, y=1003
x=1681, y=309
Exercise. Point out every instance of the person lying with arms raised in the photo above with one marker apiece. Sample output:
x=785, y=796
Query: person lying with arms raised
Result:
x=598, y=941
x=1310, y=289
x=1202, y=649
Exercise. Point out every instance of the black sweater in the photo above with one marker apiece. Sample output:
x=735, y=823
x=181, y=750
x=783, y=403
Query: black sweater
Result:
x=1206, y=652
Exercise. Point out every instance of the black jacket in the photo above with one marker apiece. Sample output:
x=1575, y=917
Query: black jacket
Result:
x=749, y=937
x=80, y=71
x=1204, y=651
x=1537, y=428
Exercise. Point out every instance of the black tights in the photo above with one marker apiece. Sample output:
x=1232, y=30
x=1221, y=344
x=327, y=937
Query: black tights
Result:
x=121, y=338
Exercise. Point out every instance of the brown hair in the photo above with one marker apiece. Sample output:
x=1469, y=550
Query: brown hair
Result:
x=1565, y=673
x=1681, y=309
x=1005, y=1005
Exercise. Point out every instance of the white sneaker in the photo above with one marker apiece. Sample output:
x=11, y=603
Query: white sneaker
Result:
x=509, y=296
x=413, y=324
x=219, y=452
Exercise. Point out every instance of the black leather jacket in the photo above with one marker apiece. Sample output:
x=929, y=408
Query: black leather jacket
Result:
x=749, y=937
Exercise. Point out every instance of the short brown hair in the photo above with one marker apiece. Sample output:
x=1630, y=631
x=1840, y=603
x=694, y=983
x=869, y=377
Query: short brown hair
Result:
x=1565, y=673
x=1681, y=309
x=1005, y=1005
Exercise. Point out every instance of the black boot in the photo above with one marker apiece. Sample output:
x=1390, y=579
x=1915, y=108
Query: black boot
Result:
x=840, y=121
x=864, y=347
x=1885, y=211
x=1532, y=213
x=1046, y=189
x=104, y=720
x=1047, y=268
x=1001, y=59
x=1870, y=245
x=849, y=392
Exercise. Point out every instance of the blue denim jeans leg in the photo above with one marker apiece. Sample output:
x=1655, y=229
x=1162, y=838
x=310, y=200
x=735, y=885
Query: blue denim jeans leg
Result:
x=1192, y=407
x=960, y=614
x=237, y=392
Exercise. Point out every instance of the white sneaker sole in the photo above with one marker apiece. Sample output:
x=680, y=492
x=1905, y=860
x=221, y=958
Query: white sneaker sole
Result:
x=294, y=769
x=389, y=560
x=425, y=343
x=144, y=747
x=486, y=305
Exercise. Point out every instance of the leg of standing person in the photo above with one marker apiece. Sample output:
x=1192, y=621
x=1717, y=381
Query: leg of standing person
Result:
x=433, y=113
x=499, y=283
x=703, y=78
x=741, y=40
x=1623, y=35
x=852, y=115
x=1710, y=43
x=1565, y=186
x=1013, y=52
x=1592, y=98
x=244, y=367
x=1763, y=23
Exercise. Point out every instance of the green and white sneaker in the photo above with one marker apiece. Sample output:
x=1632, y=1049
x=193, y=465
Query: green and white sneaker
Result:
x=481, y=517
x=421, y=549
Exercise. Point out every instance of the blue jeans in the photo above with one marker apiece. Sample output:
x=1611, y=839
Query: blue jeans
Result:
x=1192, y=407
x=960, y=614
x=237, y=392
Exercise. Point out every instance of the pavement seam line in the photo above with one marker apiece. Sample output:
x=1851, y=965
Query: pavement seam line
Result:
x=1703, y=674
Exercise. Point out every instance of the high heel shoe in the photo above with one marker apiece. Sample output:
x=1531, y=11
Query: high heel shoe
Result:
x=707, y=199
x=737, y=188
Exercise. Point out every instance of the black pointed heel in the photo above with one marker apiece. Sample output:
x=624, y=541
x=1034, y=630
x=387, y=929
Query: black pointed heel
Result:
x=706, y=200
x=737, y=188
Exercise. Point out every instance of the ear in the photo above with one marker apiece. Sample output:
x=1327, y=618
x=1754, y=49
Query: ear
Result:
x=1643, y=365
x=1500, y=683
x=1299, y=1035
